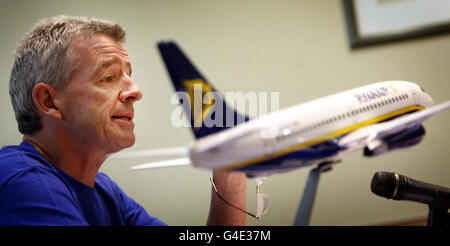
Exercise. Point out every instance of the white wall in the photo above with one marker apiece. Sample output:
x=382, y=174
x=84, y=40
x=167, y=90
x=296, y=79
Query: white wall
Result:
x=297, y=48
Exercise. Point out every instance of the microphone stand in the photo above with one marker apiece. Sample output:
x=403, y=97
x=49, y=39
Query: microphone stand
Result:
x=438, y=216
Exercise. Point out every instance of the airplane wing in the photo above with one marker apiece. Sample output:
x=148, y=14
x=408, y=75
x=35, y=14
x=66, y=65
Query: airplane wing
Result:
x=369, y=135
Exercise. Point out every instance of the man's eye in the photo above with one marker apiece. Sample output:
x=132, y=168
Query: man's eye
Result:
x=108, y=79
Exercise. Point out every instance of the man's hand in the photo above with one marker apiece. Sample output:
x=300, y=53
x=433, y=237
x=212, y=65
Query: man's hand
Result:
x=232, y=187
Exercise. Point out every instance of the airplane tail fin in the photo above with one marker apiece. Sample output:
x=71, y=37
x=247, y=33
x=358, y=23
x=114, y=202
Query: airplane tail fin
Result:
x=202, y=104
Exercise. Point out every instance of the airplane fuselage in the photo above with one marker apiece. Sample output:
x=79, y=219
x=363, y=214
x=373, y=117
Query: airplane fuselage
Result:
x=307, y=133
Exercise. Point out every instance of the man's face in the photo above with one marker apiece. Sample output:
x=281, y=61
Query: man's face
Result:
x=97, y=103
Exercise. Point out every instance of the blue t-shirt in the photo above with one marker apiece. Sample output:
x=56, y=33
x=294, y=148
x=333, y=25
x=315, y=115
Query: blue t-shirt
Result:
x=34, y=192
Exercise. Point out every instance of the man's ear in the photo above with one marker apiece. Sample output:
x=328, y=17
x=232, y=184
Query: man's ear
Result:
x=45, y=100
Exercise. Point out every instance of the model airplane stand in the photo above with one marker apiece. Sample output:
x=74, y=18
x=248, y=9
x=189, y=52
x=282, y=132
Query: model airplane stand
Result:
x=306, y=203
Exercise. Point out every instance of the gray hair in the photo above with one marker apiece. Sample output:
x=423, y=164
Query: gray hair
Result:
x=45, y=56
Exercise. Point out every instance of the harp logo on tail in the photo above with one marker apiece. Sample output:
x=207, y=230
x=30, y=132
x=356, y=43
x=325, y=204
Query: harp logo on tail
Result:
x=201, y=99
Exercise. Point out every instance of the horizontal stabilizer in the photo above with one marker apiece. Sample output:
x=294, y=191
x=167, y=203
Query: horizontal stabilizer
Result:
x=167, y=163
x=163, y=152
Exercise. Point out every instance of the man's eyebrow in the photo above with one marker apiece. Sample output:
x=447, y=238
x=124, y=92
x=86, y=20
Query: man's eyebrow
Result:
x=105, y=63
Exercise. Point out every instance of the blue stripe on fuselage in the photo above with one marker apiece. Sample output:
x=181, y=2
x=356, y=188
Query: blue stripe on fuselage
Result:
x=297, y=158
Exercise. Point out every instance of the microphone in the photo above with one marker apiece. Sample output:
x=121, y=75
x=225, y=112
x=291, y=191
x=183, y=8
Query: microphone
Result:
x=400, y=187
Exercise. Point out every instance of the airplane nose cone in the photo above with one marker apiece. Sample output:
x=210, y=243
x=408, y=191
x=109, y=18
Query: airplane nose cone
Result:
x=426, y=100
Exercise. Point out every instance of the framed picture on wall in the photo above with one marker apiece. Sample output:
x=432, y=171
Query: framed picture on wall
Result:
x=371, y=22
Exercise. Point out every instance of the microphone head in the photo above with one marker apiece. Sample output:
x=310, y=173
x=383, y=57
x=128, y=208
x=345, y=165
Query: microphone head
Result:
x=383, y=184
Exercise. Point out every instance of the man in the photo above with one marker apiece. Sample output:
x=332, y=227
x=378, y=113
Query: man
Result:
x=73, y=96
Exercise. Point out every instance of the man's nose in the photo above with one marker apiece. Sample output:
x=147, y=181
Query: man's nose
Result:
x=130, y=93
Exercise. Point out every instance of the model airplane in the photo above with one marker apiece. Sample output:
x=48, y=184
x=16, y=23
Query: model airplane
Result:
x=376, y=118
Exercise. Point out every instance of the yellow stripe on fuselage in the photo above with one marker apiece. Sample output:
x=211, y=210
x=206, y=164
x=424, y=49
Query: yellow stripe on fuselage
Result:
x=326, y=137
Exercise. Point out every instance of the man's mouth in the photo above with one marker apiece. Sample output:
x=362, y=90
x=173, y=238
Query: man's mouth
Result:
x=122, y=117
x=127, y=117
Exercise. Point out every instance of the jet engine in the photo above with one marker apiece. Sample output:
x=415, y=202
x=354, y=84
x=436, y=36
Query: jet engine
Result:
x=404, y=139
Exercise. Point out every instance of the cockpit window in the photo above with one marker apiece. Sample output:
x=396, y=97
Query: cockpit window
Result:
x=422, y=89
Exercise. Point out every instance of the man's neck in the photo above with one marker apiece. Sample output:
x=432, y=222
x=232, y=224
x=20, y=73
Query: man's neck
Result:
x=77, y=161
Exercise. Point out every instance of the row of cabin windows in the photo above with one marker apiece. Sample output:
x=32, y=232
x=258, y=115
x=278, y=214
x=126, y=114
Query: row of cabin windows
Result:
x=345, y=115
